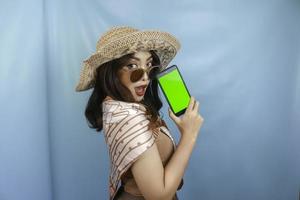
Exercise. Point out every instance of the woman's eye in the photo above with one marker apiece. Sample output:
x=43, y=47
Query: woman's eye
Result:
x=132, y=66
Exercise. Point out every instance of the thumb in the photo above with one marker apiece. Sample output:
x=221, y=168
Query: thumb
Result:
x=173, y=116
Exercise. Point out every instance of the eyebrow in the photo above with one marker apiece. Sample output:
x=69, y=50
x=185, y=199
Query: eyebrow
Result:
x=135, y=58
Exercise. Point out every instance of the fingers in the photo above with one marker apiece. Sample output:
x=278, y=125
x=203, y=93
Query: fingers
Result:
x=191, y=104
x=174, y=117
x=196, y=107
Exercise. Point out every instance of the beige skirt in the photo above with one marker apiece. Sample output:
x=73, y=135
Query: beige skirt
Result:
x=123, y=195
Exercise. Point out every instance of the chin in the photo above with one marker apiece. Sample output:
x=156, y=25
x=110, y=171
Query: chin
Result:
x=138, y=98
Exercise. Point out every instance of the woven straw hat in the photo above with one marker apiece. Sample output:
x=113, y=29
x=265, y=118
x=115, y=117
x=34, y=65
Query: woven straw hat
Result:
x=122, y=40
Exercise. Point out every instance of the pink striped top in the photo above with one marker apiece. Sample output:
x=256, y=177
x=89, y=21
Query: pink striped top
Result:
x=127, y=135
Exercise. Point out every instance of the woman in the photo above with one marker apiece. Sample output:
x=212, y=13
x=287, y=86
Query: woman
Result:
x=144, y=159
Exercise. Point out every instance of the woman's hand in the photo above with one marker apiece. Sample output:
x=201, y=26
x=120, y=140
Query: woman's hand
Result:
x=189, y=124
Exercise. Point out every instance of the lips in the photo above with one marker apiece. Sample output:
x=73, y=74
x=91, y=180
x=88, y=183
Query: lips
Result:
x=140, y=90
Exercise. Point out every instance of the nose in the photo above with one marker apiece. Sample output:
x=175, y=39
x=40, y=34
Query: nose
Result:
x=145, y=76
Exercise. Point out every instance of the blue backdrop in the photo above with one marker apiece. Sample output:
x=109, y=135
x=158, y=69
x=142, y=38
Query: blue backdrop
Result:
x=240, y=59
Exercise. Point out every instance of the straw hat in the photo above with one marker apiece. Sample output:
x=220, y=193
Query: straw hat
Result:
x=122, y=40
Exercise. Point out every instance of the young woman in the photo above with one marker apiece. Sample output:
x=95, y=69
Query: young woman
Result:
x=144, y=159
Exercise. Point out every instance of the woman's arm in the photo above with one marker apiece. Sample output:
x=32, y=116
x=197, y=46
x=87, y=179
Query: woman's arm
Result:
x=159, y=183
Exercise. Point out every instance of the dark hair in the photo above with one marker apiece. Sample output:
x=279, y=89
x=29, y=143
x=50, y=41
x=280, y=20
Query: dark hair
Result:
x=107, y=84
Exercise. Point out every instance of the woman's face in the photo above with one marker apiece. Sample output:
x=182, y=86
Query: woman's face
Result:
x=141, y=59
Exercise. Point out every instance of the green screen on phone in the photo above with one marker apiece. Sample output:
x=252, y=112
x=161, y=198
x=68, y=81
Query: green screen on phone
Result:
x=175, y=90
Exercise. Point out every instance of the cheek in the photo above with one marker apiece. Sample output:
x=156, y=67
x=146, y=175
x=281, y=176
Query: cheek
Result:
x=125, y=80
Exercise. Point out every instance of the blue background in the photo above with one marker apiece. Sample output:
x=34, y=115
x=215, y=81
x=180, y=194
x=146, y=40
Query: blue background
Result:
x=240, y=59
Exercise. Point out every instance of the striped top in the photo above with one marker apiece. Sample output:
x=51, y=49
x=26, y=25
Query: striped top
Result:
x=127, y=135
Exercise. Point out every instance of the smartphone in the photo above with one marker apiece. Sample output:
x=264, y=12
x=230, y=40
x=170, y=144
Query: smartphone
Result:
x=174, y=89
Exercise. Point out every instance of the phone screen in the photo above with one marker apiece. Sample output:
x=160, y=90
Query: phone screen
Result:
x=174, y=89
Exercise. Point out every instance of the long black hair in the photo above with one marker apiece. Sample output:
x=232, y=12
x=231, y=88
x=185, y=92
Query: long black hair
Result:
x=108, y=84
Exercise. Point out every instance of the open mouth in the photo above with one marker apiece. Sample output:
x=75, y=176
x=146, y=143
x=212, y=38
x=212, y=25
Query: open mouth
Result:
x=140, y=90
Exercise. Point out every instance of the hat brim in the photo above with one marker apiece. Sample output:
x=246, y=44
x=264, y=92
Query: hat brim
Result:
x=164, y=44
